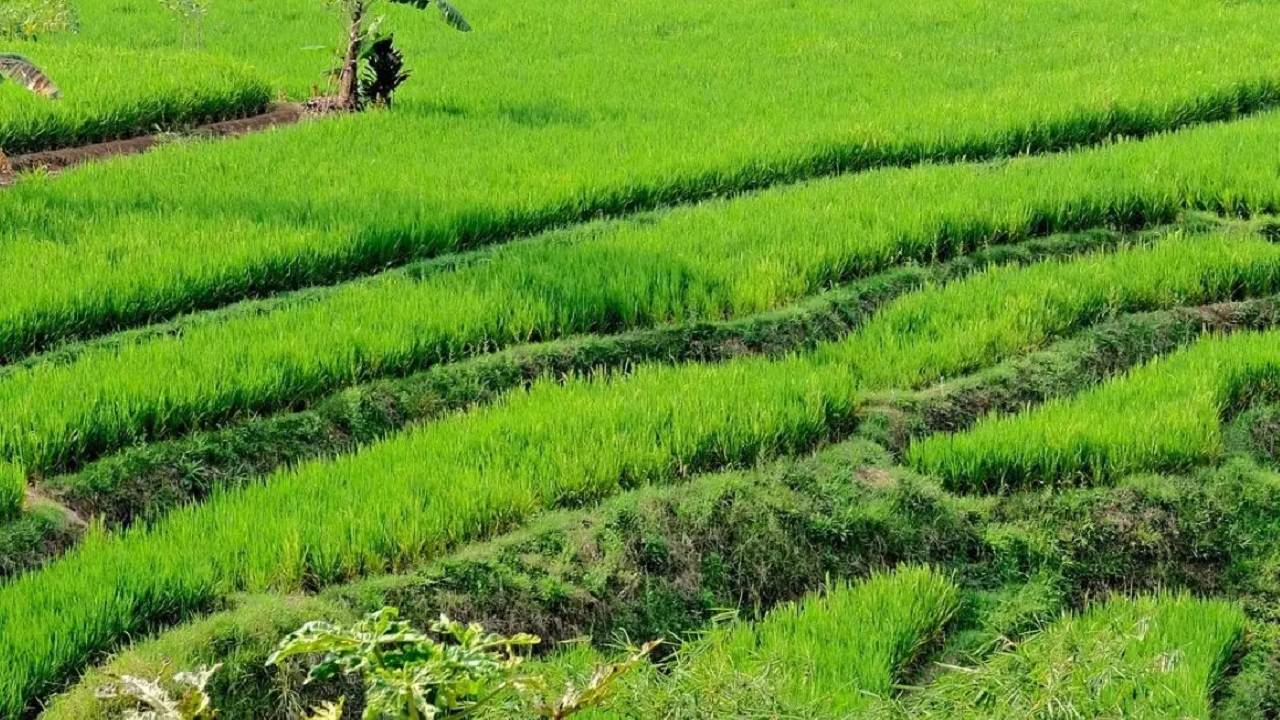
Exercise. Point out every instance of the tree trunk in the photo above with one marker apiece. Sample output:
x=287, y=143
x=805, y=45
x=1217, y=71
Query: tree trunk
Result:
x=348, y=80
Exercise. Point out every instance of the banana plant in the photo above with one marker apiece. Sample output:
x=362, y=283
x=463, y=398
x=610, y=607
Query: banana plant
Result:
x=18, y=69
x=364, y=42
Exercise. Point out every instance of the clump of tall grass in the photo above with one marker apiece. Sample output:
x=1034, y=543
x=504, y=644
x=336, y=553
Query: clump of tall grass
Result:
x=835, y=653
x=13, y=488
x=840, y=650
x=1140, y=658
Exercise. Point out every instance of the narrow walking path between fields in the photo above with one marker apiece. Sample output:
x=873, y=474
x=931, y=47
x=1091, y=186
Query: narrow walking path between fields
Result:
x=62, y=158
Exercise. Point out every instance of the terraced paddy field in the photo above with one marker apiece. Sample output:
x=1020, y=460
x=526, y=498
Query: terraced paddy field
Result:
x=885, y=360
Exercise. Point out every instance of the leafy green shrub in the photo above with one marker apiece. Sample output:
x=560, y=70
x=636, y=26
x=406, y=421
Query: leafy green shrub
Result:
x=144, y=699
x=451, y=672
x=31, y=19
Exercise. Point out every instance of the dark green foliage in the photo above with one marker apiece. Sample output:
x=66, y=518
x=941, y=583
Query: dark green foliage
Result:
x=33, y=537
x=383, y=71
x=451, y=14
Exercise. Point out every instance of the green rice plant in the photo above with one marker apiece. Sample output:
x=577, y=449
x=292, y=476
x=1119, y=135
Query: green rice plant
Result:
x=1166, y=415
x=1135, y=658
x=110, y=93
x=926, y=336
x=469, y=476
x=645, y=138
x=841, y=650
x=838, y=653
x=55, y=414
x=13, y=488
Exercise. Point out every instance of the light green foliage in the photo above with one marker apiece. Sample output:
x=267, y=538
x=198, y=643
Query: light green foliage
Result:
x=1137, y=659
x=835, y=654
x=409, y=674
x=1166, y=415
x=32, y=19
x=457, y=670
x=327, y=711
x=117, y=92
x=143, y=699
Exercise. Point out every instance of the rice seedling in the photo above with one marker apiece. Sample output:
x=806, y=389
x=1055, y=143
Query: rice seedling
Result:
x=1164, y=416
x=401, y=322
x=834, y=654
x=1142, y=658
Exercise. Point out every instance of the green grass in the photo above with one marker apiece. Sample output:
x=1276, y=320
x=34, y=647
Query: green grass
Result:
x=469, y=476
x=117, y=92
x=1164, y=416
x=13, y=485
x=55, y=414
x=951, y=329
x=1144, y=658
x=843, y=649
x=591, y=136
x=834, y=654
x=681, y=268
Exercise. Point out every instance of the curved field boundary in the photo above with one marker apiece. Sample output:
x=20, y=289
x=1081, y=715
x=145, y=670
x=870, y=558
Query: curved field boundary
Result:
x=52, y=161
x=145, y=482
x=428, y=490
x=705, y=261
x=198, y=374
x=662, y=561
x=1165, y=416
x=108, y=273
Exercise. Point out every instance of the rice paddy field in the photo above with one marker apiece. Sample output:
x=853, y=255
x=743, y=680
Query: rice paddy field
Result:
x=884, y=360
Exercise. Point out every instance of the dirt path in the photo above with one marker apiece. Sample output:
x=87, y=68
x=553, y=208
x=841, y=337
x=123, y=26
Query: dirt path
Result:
x=57, y=160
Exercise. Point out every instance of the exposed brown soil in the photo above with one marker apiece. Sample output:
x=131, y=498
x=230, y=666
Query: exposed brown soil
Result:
x=56, y=160
x=35, y=497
